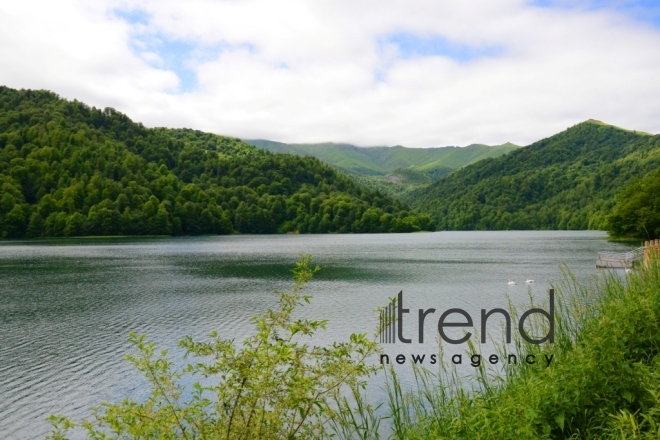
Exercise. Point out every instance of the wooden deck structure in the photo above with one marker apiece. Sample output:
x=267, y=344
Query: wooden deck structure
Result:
x=650, y=250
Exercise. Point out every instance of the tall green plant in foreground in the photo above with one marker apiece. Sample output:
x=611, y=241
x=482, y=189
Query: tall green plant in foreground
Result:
x=604, y=381
x=273, y=386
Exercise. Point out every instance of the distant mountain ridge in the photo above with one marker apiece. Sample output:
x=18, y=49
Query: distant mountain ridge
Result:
x=567, y=181
x=381, y=161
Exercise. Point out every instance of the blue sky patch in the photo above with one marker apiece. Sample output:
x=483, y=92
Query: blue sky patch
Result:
x=642, y=10
x=412, y=46
x=176, y=55
x=135, y=16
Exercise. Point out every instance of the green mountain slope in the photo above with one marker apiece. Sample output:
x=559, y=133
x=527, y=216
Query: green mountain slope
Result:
x=384, y=160
x=393, y=170
x=567, y=181
x=69, y=169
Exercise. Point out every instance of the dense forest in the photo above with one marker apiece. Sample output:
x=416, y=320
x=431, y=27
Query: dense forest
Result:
x=637, y=212
x=567, y=181
x=67, y=169
x=399, y=182
x=393, y=170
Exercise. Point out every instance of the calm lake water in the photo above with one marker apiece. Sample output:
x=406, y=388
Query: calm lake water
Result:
x=66, y=306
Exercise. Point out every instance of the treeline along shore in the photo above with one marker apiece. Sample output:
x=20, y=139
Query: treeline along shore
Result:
x=67, y=169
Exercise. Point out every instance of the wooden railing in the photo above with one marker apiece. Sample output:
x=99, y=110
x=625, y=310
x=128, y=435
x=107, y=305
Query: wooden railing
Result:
x=620, y=259
x=650, y=250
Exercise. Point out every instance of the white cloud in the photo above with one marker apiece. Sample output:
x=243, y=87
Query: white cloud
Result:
x=307, y=71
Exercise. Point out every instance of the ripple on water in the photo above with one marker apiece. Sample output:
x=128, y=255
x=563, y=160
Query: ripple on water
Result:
x=66, y=306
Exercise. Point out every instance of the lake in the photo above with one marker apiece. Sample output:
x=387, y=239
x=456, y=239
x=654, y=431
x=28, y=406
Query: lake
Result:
x=66, y=306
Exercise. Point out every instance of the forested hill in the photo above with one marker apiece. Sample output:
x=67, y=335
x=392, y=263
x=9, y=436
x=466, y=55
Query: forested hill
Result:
x=67, y=169
x=380, y=161
x=567, y=181
x=392, y=170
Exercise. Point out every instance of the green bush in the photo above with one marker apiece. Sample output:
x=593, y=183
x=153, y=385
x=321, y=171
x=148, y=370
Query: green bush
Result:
x=274, y=385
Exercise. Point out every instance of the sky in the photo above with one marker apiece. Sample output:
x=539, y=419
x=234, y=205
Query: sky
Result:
x=418, y=73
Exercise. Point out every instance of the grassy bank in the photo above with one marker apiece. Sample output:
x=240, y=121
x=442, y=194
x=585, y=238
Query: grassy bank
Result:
x=604, y=381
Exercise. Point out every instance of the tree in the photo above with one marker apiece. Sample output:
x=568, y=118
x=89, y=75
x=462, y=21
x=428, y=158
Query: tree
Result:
x=637, y=212
x=14, y=223
x=74, y=224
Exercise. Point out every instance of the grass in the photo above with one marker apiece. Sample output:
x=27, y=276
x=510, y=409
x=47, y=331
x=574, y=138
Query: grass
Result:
x=604, y=381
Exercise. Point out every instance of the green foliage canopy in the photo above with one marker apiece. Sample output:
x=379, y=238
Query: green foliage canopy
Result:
x=67, y=169
x=567, y=181
x=391, y=170
x=637, y=212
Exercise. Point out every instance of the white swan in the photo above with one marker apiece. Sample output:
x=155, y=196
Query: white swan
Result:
x=529, y=281
x=511, y=282
x=628, y=270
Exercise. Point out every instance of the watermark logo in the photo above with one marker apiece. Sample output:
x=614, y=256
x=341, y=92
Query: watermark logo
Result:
x=393, y=329
x=388, y=321
x=392, y=323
